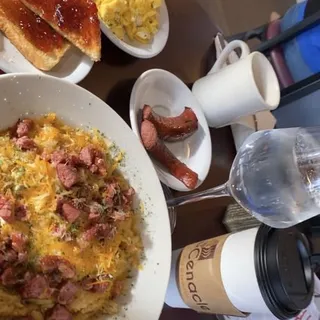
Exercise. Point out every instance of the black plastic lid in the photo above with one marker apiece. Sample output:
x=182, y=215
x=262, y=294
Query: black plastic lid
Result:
x=283, y=268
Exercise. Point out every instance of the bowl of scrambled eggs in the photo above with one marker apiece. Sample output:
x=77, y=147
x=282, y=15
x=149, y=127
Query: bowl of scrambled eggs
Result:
x=138, y=27
x=84, y=227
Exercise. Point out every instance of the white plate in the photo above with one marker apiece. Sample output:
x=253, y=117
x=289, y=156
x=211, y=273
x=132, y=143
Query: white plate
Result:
x=73, y=67
x=32, y=94
x=137, y=49
x=169, y=95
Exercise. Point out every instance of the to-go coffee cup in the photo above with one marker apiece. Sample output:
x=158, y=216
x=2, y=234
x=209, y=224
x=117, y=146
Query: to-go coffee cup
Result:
x=261, y=270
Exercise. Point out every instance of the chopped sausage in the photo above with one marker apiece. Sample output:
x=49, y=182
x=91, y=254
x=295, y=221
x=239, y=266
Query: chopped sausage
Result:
x=127, y=197
x=24, y=127
x=50, y=264
x=59, y=312
x=19, y=241
x=54, y=279
x=68, y=175
x=87, y=155
x=172, y=128
x=11, y=256
x=70, y=213
x=94, y=215
x=74, y=160
x=62, y=157
x=9, y=277
x=25, y=143
x=22, y=257
x=101, y=165
x=94, y=285
x=28, y=276
x=94, y=169
x=20, y=212
x=95, y=211
x=161, y=153
x=111, y=190
x=67, y=293
x=93, y=159
x=6, y=209
x=36, y=288
x=58, y=157
x=100, y=231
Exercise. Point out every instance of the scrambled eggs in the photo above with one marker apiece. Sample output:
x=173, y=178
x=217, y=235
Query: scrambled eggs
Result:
x=27, y=177
x=138, y=19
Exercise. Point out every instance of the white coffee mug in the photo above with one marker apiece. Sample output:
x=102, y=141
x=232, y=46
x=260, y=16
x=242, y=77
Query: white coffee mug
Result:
x=243, y=88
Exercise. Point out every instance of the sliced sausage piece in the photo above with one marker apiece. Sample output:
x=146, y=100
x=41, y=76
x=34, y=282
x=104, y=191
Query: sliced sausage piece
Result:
x=93, y=159
x=127, y=197
x=68, y=175
x=59, y=312
x=11, y=256
x=87, y=155
x=9, y=277
x=6, y=209
x=58, y=157
x=99, y=232
x=172, y=128
x=161, y=153
x=24, y=127
x=22, y=257
x=54, y=279
x=25, y=143
x=67, y=293
x=112, y=189
x=101, y=165
x=19, y=241
x=70, y=213
x=94, y=285
x=20, y=212
x=61, y=156
x=50, y=264
x=96, y=210
x=36, y=288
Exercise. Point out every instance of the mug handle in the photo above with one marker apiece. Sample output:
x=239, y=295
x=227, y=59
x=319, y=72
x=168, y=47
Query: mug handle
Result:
x=230, y=47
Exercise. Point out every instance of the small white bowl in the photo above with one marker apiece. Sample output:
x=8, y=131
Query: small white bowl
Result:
x=168, y=95
x=139, y=50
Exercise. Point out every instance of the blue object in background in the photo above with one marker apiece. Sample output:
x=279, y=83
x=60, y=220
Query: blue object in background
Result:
x=293, y=54
x=302, y=55
x=304, y=112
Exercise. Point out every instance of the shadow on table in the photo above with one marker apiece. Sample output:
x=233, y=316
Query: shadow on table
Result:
x=169, y=313
x=119, y=98
x=112, y=55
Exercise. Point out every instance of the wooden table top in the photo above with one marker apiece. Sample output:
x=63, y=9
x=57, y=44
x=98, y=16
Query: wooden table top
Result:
x=188, y=54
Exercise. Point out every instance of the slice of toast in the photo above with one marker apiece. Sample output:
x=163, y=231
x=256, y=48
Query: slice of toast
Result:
x=31, y=35
x=76, y=20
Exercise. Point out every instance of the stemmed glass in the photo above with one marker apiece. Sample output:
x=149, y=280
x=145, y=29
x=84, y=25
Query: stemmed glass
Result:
x=275, y=177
